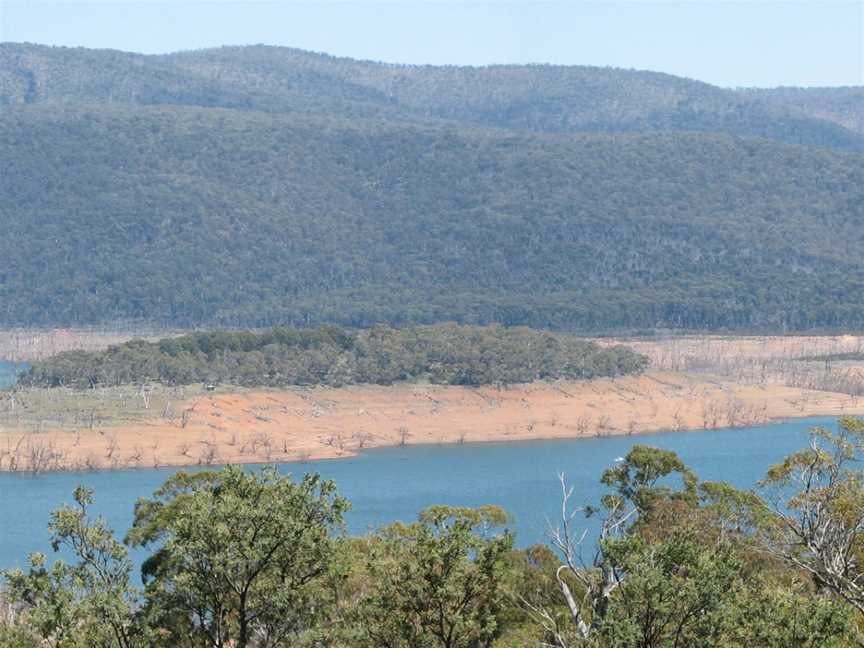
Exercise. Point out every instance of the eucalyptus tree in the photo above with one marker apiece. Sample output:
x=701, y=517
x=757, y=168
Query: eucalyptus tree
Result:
x=437, y=583
x=812, y=510
x=677, y=564
x=634, y=490
x=86, y=603
x=241, y=558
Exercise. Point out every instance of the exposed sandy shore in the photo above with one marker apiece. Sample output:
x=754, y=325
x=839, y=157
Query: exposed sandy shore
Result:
x=319, y=423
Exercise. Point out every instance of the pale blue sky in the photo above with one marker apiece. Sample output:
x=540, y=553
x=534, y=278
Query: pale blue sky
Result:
x=752, y=43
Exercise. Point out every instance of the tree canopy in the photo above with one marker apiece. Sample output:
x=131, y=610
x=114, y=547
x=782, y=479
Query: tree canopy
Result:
x=446, y=354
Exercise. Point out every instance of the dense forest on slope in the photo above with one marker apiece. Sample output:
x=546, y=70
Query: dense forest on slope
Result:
x=249, y=187
x=190, y=216
x=546, y=98
x=442, y=354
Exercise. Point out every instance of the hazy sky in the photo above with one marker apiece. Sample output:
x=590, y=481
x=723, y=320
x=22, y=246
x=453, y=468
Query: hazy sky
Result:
x=749, y=43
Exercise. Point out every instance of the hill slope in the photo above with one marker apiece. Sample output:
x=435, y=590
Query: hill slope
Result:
x=843, y=106
x=527, y=97
x=194, y=216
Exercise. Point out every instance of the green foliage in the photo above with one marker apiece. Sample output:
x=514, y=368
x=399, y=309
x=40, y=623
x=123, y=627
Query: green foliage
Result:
x=841, y=105
x=682, y=591
x=437, y=583
x=815, y=504
x=90, y=603
x=690, y=564
x=443, y=354
x=635, y=480
x=674, y=590
x=242, y=557
x=778, y=617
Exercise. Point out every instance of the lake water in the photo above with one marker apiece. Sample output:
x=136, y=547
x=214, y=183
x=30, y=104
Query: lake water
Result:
x=396, y=483
x=8, y=372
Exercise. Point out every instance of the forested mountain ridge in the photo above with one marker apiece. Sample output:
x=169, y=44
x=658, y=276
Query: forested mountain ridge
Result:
x=201, y=216
x=543, y=98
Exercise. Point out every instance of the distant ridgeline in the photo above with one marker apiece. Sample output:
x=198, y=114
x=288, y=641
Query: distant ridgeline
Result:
x=443, y=354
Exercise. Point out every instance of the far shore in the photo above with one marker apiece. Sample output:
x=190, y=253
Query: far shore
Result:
x=290, y=425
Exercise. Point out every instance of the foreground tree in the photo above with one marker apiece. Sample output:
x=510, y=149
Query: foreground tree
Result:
x=438, y=582
x=634, y=492
x=674, y=566
x=86, y=603
x=245, y=557
x=812, y=515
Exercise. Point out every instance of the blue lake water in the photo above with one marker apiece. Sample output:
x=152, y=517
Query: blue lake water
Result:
x=396, y=483
x=8, y=372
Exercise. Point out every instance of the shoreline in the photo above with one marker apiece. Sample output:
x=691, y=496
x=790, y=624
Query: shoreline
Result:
x=356, y=453
x=314, y=424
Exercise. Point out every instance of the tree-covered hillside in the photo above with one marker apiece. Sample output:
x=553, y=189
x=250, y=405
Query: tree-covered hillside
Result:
x=259, y=186
x=843, y=106
x=527, y=97
x=195, y=216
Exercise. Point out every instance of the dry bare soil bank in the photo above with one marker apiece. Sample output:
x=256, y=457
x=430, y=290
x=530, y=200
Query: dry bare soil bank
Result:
x=695, y=383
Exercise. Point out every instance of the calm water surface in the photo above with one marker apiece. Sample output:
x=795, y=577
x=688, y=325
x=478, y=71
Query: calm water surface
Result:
x=8, y=372
x=395, y=483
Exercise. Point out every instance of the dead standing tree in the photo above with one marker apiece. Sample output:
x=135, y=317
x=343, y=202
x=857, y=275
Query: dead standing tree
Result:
x=598, y=580
x=145, y=393
x=813, y=511
x=186, y=416
x=404, y=434
x=582, y=424
x=634, y=484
